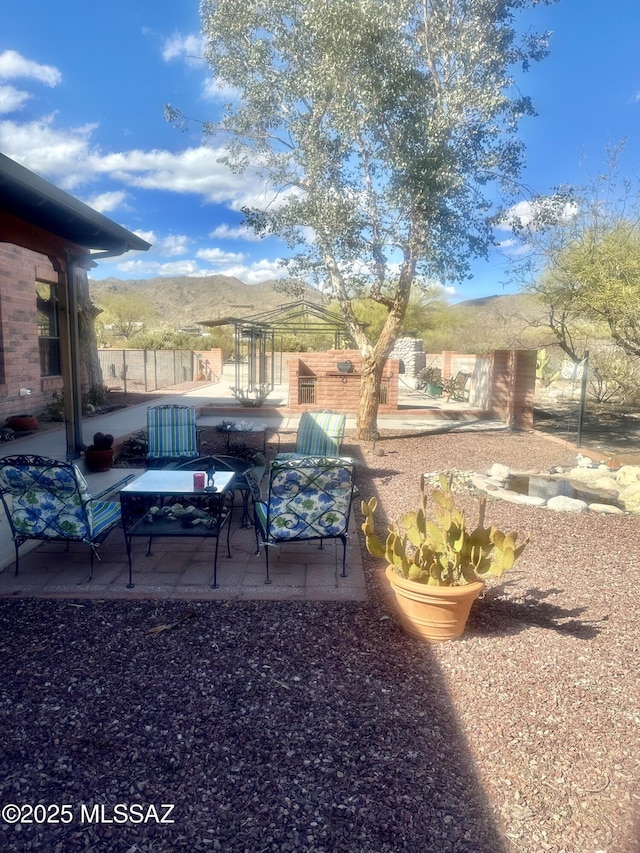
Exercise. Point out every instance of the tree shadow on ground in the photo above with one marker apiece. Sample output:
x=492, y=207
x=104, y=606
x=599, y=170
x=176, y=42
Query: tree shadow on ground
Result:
x=604, y=427
x=500, y=615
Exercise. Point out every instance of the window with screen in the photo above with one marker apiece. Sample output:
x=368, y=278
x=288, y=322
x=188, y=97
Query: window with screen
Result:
x=48, y=328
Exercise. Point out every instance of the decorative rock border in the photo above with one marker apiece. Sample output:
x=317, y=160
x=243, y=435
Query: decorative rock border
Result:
x=622, y=486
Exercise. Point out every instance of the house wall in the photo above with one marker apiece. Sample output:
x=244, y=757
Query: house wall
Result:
x=19, y=349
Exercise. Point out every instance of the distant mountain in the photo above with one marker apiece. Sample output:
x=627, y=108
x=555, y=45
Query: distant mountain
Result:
x=183, y=301
x=523, y=305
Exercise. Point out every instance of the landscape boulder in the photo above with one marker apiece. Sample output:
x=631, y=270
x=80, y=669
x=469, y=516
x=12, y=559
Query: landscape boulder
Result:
x=588, y=475
x=629, y=497
x=498, y=472
x=561, y=503
x=627, y=475
x=605, y=509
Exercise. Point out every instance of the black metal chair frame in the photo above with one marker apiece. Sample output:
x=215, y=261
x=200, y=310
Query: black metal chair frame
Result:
x=317, y=468
x=52, y=533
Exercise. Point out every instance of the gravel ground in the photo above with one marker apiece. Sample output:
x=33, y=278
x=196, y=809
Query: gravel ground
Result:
x=275, y=726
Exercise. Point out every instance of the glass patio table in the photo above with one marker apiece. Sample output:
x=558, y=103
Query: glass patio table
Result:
x=150, y=507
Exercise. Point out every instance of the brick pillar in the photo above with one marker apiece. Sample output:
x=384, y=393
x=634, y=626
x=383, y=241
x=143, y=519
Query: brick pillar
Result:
x=512, y=384
x=447, y=358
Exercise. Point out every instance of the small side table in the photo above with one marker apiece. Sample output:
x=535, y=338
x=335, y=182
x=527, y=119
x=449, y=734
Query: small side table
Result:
x=243, y=428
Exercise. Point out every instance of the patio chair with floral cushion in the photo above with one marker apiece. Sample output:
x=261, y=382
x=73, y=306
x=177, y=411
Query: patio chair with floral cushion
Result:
x=306, y=499
x=172, y=434
x=49, y=500
x=319, y=434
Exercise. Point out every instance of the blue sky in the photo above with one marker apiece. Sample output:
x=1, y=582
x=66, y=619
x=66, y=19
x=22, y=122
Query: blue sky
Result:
x=82, y=90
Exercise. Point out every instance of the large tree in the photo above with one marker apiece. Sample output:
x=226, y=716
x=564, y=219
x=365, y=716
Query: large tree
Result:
x=583, y=260
x=386, y=129
x=125, y=313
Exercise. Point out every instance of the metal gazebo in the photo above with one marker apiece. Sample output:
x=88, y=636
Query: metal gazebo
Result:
x=255, y=339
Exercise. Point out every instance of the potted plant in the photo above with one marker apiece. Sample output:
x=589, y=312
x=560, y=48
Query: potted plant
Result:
x=22, y=423
x=437, y=568
x=260, y=394
x=99, y=455
x=430, y=378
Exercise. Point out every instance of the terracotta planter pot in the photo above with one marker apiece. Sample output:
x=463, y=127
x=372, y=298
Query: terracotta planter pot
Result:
x=98, y=460
x=433, y=613
x=22, y=423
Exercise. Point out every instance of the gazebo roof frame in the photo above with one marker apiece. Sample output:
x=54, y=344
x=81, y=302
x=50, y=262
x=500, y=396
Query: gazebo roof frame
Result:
x=292, y=318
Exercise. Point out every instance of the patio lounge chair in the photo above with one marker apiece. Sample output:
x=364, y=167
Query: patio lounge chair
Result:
x=172, y=433
x=319, y=434
x=458, y=387
x=307, y=499
x=49, y=500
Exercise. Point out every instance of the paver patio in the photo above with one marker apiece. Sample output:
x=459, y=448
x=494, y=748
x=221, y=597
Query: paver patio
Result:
x=182, y=569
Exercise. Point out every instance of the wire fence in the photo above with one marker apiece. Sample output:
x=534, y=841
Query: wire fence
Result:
x=132, y=370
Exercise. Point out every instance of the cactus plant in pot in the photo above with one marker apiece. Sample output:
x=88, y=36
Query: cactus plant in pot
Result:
x=99, y=455
x=437, y=567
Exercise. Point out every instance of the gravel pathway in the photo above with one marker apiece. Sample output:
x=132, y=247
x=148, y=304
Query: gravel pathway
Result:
x=321, y=726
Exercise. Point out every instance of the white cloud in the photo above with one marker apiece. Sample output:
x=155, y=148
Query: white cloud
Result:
x=194, y=170
x=542, y=210
x=12, y=99
x=13, y=64
x=240, y=232
x=106, y=202
x=256, y=272
x=61, y=155
x=148, y=236
x=173, y=245
x=146, y=266
x=216, y=89
x=69, y=158
x=189, y=48
x=447, y=289
x=522, y=212
x=218, y=256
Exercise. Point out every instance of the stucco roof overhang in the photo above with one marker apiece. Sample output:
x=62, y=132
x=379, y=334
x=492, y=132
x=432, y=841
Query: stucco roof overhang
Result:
x=27, y=196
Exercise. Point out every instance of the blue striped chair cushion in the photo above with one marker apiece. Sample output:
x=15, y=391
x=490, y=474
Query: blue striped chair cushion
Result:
x=319, y=434
x=102, y=515
x=172, y=432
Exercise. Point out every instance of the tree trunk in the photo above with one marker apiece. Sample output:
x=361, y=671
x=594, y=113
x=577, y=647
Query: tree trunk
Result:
x=92, y=372
x=367, y=420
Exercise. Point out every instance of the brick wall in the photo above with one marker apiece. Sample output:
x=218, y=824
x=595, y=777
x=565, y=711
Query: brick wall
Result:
x=19, y=350
x=512, y=386
x=333, y=389
x=210, y=364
